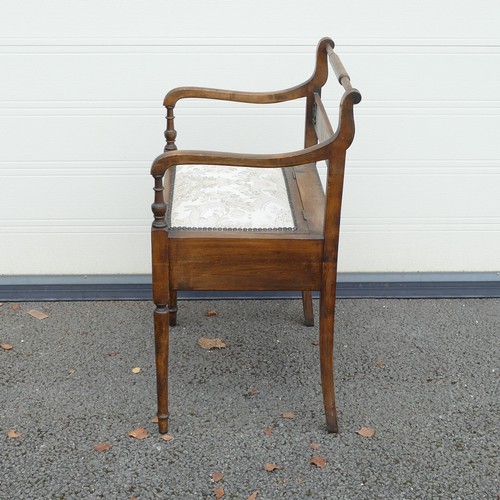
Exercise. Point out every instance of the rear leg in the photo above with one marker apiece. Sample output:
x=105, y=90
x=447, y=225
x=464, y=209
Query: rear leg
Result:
x=326, y=326
x=307, y=305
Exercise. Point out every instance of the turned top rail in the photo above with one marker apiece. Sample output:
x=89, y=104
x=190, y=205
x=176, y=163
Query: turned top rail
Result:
x=338, y=68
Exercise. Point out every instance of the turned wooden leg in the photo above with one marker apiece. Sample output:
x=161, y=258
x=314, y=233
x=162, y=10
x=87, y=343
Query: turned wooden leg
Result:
x=161, y=321
x=161, y=288
x=173, y=307
x=326, y=325
x=307, y=304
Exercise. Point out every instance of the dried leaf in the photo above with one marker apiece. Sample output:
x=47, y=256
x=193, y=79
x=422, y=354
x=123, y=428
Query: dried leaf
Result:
x=268, y=431
x=102, y=447
x=139, y=433
x=154, y=420
x=318, y=461
x=288, y=415
x=167, y=437
x=112, y=354
x=271, y=467
x=366, y=432
x=217, y=476
x=219, y=493
x=210, y=314
x=6, y=347
x=380, y=363
x=136, y=369
x=314, y=446
x=38, y=314
x=13, y=434
x=253, y=496
x=252, y=393
x=205, y=343
x=15, y=307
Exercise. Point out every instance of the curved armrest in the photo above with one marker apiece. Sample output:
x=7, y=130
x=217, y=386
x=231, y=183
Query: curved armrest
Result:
x=236, y=96
x=178, y=157
x=316, y=81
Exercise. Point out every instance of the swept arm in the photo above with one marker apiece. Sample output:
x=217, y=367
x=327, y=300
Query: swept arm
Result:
x=192, y=157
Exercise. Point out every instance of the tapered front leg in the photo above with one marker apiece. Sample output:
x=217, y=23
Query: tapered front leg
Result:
x=161, y=325
x=160, y=276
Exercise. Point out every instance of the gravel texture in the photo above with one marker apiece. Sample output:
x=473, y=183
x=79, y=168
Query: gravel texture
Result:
x=422, y=373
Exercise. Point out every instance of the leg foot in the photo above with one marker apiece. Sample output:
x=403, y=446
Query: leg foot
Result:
x=332, y=427
x=163, y=424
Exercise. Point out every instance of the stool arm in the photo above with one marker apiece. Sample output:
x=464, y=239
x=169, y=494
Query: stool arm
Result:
x=193, y=157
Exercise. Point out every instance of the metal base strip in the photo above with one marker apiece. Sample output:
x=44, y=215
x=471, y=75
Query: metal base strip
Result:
x=350, y=285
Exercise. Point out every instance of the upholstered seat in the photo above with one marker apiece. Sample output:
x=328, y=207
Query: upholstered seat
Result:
x=229, y=198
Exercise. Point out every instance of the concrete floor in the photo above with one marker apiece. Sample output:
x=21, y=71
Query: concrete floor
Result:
x=422, y=373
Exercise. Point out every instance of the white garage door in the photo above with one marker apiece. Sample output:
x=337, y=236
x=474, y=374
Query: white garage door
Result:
x=81, y=120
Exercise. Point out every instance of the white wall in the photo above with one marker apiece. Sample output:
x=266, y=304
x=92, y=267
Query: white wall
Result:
x=81, y=120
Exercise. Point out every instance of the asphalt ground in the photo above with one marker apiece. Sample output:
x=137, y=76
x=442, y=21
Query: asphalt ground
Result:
x=424, y=374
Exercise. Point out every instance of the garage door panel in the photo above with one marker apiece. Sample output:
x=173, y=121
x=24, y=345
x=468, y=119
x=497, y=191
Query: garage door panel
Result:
x=69, y=253
x=147, y=75
x=417, y=250
x=134, y=137
x=81, y=120
x=429, y=197
x=78, y=200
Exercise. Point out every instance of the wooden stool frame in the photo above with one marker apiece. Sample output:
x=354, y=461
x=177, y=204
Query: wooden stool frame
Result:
x=304, y=259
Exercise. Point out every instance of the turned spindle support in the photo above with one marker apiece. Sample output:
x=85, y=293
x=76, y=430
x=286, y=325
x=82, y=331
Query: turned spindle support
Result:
x=170, y=132
x=159, y=207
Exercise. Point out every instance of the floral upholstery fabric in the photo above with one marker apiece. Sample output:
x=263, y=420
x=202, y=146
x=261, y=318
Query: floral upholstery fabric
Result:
x=229, y=198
